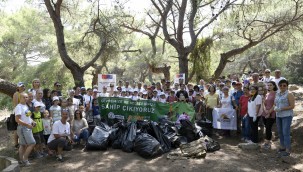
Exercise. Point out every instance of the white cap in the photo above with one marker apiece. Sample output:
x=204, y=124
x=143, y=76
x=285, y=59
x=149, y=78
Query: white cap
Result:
x=144, y=92
x=55, y=98
x=162, y=94
x=95, y=90
x=135, y=90
x=20, y=84
x=37, y=104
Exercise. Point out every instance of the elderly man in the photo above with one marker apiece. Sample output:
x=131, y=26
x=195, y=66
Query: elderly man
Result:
x=60, y=136
x=278, y=77
x=24, y=130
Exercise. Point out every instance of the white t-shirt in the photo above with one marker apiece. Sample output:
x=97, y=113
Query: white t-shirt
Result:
x=226, y=102
x=42, y=107
x=59, y=128
x=56, y=110
x=251, y=108
x=88, y=100
x=76, y=103
x=25, y=113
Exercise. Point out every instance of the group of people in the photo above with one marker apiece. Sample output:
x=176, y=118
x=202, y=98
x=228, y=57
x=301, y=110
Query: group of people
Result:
x=50, y=122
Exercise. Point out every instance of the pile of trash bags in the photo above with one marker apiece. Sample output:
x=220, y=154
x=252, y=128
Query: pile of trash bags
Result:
x=151, y=139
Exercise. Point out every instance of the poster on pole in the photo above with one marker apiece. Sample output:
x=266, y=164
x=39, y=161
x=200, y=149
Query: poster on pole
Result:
x=224, y=118
x=106, y=80
x=179, y=76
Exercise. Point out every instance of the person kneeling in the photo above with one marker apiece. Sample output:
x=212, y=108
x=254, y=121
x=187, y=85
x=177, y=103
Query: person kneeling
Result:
x=60, y=138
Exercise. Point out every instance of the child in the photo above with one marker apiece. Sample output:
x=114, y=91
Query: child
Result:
x=71, y=108
x=38, y=131
x=82, y=110
x=55, y=110
x=47, y=125
x=64, y=107
x=172, y=98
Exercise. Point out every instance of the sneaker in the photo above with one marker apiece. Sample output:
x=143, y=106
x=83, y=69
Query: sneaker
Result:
x=284, y=154
x=38, y=155
x=248, y=141
x=60, y=159
x=281, y=150
x=26, y=163
x=266, y=146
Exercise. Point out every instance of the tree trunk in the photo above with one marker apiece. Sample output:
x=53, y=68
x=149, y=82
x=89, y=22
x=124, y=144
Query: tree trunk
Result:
x=183, y=65
x=7, y=88
x=221, y=66
x=78, y=76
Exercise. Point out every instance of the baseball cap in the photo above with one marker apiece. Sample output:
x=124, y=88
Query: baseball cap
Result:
x=83, y=88
x=95, y=90
x=55, y=98
x=37, y=104
x=20, y=84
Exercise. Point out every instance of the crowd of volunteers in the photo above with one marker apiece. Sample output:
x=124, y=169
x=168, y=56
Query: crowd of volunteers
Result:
x=50, y=122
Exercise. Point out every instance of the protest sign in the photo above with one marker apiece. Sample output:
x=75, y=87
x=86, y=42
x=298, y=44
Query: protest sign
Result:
x=224, y=118
x=123, y=108
x=106, y=80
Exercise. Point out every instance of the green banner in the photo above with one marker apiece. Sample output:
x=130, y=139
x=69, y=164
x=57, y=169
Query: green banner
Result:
x=123, y=108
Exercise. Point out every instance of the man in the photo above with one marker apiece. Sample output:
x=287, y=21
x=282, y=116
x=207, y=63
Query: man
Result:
x=104, y=92
x=83, y=91
x=88, y=99
x=78, y=95
x=24, y=129
x=278, y=77
x=60, y=136
x=58, y=88
x=181, y=94
x=267, y=76
x=237, y=94
x=159, y=88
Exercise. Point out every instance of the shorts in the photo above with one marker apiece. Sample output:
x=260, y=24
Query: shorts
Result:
x=60, y=142
x=39, y=138
x=25, y=135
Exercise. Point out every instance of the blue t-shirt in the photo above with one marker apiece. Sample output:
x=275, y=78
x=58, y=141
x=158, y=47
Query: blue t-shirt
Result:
x=237, y=96
x=95, y=110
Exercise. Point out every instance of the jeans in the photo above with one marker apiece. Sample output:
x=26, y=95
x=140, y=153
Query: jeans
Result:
x=83, y=135
x=268, y=122
x=283, y=126
x=254, y=129
x=245, y=128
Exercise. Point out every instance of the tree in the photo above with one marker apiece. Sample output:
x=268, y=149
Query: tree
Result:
x=54, y=10
x=255, y=22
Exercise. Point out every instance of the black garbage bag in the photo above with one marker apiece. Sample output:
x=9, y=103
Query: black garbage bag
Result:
x=188, y=130
x=99, y=138
x=129, y=137
x=206, y=127
x=147, y=146
x=211, y=144
x=155, y=131
x=118, y=136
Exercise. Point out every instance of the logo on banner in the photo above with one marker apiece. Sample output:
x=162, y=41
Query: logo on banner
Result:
x=107, y=76
x=223, y=118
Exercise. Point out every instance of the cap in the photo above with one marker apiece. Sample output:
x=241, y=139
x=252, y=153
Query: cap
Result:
x=20, y=84
x=82, y=88
x=135, y=90
x=144, y=93
x=55, y=98
x=162, y=94
x=37, y=104
x=95, y=86
x=95, y=90
x=57, y=83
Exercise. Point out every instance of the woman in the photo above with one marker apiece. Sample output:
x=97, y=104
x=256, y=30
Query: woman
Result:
x=253, y=108
x=284, y=105
x=269, y=114
x=211, y=101
x=79, y=127
x=36, y=87
x=243, y=103
x=16, y=101
x=29, y=101
x=46, y=99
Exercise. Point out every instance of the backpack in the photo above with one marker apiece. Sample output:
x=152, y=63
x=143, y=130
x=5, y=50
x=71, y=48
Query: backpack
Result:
x=11, y=123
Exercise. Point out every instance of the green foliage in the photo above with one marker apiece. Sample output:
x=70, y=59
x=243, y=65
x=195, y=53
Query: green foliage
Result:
x=295, y=65
x=201, y=59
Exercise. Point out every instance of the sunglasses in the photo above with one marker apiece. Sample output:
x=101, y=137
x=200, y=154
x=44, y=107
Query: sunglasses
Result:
x=283, y=85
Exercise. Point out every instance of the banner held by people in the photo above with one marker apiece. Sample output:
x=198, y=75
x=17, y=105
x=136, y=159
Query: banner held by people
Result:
x=224, y=118
x=121, y=108
x=106, y=80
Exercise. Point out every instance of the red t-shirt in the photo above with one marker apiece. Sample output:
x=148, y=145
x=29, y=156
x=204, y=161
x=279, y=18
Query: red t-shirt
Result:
x=243, y=102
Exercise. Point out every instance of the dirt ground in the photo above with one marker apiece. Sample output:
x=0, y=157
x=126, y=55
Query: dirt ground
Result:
x=228, y=158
